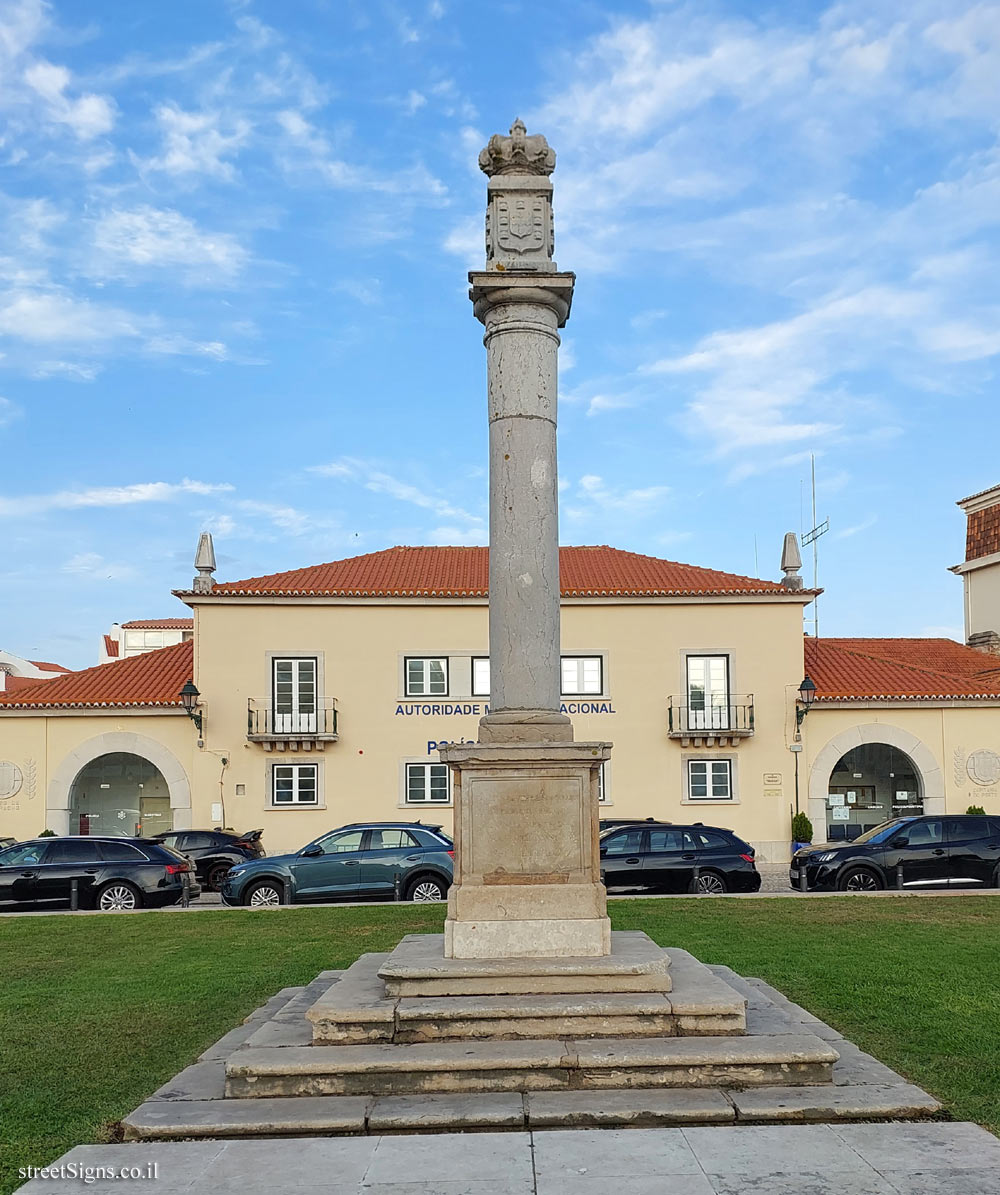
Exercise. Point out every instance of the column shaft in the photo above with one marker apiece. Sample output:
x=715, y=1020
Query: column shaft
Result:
x=522, y=347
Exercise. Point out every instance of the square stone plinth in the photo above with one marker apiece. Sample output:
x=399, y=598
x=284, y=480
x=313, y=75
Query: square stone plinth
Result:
x=418, y=967
x=527, y=860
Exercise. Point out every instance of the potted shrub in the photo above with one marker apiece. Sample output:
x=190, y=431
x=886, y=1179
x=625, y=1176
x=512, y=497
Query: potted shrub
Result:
x=976, y=811
x=802, y=832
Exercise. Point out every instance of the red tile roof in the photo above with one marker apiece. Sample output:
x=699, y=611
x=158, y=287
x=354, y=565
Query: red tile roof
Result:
x=46, y=667
x=463, y=572
x=982, y=536
x=110, y=647
x=159, y=624
x=151, y=679
x=899, y=669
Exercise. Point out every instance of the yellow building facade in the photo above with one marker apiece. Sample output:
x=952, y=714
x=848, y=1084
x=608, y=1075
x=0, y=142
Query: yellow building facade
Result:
x=323, y=694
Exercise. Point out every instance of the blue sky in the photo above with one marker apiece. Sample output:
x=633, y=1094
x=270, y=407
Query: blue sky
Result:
x=233, y=246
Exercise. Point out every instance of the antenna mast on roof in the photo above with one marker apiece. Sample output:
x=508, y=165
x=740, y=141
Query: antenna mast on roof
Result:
x=812, y=537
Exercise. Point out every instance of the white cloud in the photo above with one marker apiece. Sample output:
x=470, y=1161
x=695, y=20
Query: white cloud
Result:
x=55, y=316
x=856, y=529
x=126, y=239
x=378, y=481
x=93, y=565
x=88, y=115
x=287, y=518
x=107, y=496
x=9, y=411
x=76, y=371
x=592, y=493
x=183, y=346
x=199, y=142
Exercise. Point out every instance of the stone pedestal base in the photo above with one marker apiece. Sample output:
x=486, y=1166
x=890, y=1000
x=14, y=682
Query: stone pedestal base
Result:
x=527, y=860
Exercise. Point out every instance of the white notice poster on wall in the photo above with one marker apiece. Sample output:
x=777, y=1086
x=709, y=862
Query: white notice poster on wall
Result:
x=217, y=812
x=852, y=798
x=835, y=800
x=842, y=814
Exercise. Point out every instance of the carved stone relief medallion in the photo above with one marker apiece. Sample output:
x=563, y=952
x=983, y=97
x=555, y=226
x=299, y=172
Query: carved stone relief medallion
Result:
x=10, y=779
x=983, y=767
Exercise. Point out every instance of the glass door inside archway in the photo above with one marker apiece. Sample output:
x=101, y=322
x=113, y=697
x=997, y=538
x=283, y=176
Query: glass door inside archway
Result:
x=871, y=784
x=120, y=794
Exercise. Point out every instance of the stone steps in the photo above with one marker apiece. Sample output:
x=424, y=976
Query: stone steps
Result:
x=357, y=1010
x=345, y=1115
x=786, y=1060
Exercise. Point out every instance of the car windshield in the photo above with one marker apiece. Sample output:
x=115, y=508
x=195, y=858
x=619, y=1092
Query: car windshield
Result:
x=881, y=833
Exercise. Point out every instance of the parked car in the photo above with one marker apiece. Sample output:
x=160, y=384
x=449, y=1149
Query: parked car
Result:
x=608, y=823
x=362, y=861
x=662, y=857
x=929, y=851
x=214, y=852
x=112, y=874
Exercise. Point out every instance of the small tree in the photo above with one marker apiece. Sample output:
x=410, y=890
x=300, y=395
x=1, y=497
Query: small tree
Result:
x=976, y=811
x=47, y=834
x=802, y=828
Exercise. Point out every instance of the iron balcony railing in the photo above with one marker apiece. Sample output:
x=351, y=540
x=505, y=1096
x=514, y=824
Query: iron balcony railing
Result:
x=265, y=722
x=733, y=717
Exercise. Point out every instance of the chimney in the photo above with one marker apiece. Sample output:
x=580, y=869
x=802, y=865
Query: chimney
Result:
x=204, y=562
x=791, y=562
x=980, y=571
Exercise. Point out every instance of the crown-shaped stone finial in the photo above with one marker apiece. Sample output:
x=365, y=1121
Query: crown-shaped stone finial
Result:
x=518, y=153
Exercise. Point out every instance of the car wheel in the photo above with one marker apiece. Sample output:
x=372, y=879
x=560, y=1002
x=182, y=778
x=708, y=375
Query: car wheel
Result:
x=426, y=888
x=265, y=894
x=118, y=897
x=217, y=875
x=860, y=879
x=710, y=883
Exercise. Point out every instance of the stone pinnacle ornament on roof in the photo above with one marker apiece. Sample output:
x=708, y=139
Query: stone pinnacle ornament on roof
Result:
x=518, y=153
x=204, y=562
x=791, y=562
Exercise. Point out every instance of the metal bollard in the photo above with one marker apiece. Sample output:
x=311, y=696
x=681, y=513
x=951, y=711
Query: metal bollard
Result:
x=74, y=895
x=397, y=887
x=696, y=871
x=803, y=879
x=185, y=890
x=899, y=875
x=286, y=894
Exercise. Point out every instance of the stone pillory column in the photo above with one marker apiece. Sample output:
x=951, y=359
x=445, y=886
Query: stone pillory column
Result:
x=526, y=833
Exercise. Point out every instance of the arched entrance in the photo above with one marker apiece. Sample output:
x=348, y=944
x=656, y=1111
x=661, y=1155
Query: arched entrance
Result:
x=119, y=794
x=869, y=785
x=869, y=774
x=58, y=796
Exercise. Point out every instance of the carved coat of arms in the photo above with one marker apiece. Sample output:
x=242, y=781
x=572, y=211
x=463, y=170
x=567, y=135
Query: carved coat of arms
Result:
x=521, y=223
x=984, y=767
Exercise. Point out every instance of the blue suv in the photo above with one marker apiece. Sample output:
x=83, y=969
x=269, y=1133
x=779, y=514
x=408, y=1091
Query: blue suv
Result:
x=363, y=861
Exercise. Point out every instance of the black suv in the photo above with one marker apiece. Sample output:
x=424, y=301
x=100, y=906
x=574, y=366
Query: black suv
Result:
x=662, y=857
x=112, y=874
x=214, y=852
x=916, y=852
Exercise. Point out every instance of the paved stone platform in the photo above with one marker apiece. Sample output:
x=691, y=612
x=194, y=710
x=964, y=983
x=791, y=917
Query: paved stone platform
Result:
x=840, y=1159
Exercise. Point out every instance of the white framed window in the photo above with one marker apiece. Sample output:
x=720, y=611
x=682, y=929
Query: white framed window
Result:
x=582, y=675
x=137, y=642
x=708, y=692
x=602, y=785
x=428, y=784
x=710, y=780
x=294, y=784
x=426, y=676
x=480, y=676
x=294, y=685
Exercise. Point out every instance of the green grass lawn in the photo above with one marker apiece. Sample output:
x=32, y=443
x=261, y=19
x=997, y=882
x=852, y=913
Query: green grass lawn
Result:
x=97, y=1012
